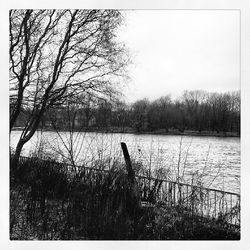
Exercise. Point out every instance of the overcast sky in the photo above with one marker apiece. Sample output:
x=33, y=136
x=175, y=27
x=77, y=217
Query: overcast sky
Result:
x=175, y=50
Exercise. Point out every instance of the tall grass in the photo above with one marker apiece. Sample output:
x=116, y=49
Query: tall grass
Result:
x=47, y=202
x=52, y=204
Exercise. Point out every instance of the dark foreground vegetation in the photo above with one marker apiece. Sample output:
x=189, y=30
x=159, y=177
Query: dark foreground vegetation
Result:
x=49, y=202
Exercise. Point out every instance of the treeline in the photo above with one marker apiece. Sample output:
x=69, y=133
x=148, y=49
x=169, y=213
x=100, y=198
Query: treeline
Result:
x=194, y=110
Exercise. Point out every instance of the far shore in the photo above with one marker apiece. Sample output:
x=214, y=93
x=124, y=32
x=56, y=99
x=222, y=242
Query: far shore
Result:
x=158, y=132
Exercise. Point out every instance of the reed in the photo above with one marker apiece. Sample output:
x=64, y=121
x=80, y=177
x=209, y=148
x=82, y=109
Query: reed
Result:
x=48, y=202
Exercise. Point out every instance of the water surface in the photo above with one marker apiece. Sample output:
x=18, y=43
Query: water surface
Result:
x=213, y=161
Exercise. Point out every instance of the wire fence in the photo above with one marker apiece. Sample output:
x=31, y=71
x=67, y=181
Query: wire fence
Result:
x=199, y=200
x=206, y=202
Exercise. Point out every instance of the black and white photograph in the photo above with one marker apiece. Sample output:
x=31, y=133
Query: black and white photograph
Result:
x=124, y=124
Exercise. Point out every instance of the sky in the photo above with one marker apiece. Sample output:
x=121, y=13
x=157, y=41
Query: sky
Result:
x=177, y=50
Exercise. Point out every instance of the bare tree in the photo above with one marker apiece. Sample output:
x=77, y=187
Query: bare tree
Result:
x=58, y=54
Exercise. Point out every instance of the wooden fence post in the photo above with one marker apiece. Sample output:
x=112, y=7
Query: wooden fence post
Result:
x=131, y=173
x=134, y=191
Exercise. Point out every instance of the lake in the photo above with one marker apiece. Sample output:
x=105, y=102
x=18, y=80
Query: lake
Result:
x=212, y=161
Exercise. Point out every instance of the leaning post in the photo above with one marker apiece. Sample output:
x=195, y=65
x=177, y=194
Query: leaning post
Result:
x=134, y=191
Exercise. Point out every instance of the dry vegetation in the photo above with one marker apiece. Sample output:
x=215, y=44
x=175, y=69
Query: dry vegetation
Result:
x=49, y=203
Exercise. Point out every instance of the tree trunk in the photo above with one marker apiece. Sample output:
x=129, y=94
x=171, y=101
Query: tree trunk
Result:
x=17, y=110
x=19, y=147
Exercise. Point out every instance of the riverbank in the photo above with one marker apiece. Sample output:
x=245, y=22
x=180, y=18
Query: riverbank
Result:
x=128, y=130
x=48, y=203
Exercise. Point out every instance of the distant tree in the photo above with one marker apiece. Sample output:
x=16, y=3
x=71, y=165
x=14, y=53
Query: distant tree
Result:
x=193, y=101
x=164, y=104
x=153, y=116
x=103, y=114
x=121, y=115
x=140, y=115
x=58, y=54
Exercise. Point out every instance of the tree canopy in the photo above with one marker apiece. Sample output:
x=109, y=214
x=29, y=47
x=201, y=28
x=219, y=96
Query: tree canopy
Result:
x=57, y=54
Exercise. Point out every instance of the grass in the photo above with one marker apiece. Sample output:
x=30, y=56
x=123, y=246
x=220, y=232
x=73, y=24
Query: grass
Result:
x=48, y=202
